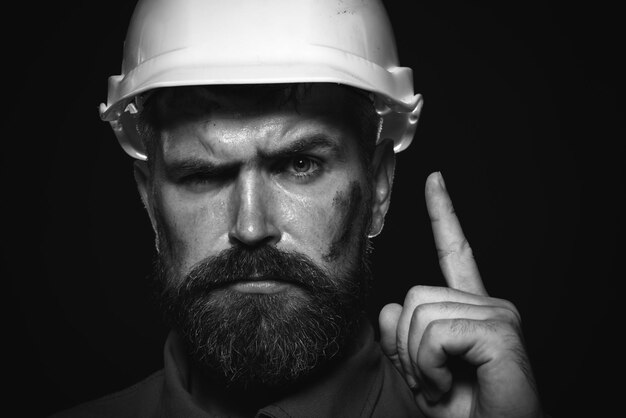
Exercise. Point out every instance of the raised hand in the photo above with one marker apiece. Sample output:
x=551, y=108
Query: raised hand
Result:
x=460, y=350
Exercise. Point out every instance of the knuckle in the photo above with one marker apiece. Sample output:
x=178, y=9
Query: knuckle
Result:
x=422, y=314
x=428, y=312
x=420, y=311
x=452, y=307
x=493, y=325
x=510, y=306
x=418, y=289
x=433, y=328
x=390, y=310
x=456, y=249
x=465, y=247
x=508, y=333
x=461, y=326
x=416, y=294
x=508, y=316
x=439, y=327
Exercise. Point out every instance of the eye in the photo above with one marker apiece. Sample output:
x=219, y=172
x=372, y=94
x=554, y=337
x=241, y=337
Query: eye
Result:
x=301, y=167
x=301, y=164
x=195, y=179
x=204, y=179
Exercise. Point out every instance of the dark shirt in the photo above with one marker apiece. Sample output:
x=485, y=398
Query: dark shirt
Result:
x=365, y=384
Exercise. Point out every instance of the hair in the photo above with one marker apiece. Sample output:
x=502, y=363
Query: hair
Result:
x=164, y=106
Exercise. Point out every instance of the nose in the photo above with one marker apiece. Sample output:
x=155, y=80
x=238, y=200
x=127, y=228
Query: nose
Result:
x=254, y=214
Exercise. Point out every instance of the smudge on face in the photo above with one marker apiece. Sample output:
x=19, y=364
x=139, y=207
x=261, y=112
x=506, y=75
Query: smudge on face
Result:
x=355, y=219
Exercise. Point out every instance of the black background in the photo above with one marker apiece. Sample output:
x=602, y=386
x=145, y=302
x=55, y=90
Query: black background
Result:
x=522, y=115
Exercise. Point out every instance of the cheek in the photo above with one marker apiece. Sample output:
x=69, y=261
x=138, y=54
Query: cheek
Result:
x=326, y=224
x=307, y=222
x=191, y=230
x=351, y=211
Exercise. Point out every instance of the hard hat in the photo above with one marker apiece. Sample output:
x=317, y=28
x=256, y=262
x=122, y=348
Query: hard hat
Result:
x=207, y=42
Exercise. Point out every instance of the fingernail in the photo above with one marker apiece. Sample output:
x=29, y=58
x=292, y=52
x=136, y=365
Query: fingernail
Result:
x=442, y=183
x=411, y=381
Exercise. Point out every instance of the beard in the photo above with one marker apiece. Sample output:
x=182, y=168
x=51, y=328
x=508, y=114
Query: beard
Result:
x=247, y=341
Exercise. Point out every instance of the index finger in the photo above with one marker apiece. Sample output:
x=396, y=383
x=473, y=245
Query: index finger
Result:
x=455, y=254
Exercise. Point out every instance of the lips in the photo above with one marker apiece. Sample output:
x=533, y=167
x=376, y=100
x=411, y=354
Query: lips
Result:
x=259, y=285
x=253, y=284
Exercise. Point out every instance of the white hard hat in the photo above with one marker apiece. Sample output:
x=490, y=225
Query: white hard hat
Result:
x=207, y=42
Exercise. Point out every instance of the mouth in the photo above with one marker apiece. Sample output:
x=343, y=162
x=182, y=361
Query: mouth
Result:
x=263, y=286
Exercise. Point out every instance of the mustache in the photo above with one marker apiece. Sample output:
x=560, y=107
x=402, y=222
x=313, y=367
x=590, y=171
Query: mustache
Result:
x=240, y=263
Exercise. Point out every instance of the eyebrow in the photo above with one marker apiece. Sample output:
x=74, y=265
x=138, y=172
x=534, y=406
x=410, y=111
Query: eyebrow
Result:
x=194, y=165
x=306, y=144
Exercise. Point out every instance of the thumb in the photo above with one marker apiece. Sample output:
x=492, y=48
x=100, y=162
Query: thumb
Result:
x=388, y=322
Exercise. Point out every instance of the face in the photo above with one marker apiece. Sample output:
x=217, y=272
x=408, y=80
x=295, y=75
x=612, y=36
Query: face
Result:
x=251, y=177
x=262, y=213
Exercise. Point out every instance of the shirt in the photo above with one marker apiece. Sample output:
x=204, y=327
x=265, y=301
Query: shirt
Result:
x=365, y=384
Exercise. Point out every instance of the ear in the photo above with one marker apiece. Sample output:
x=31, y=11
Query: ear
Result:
x=142, y=178
x=383, y=166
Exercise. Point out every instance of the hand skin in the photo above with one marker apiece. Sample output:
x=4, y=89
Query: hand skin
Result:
x=439, y=329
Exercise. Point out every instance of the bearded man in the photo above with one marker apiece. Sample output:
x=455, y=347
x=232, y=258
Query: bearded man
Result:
x=265, y=169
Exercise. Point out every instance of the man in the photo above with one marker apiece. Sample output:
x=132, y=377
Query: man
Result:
x=265, y=135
